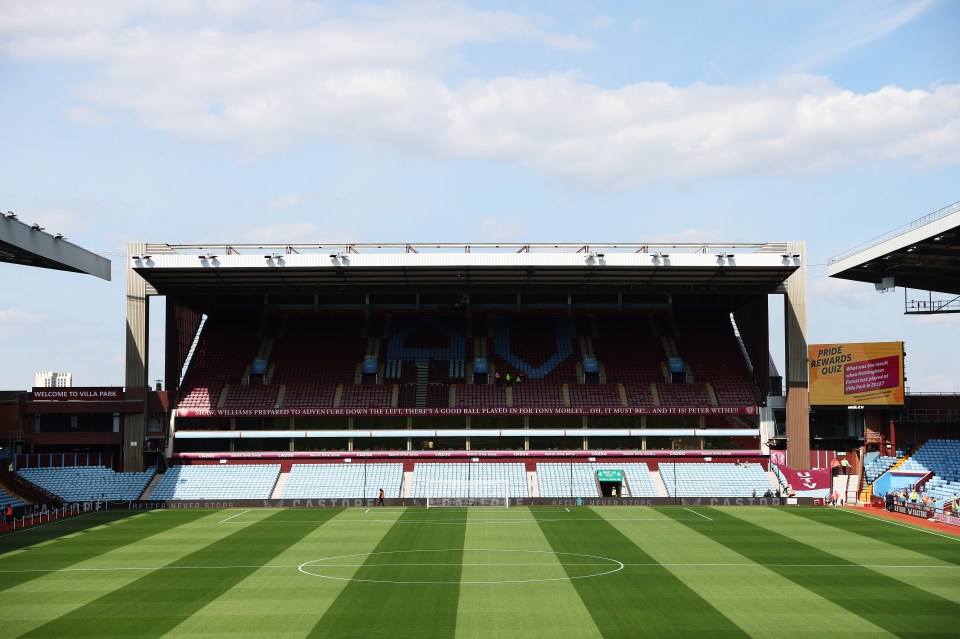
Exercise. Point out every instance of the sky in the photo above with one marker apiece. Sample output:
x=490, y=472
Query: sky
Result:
x=236, y=121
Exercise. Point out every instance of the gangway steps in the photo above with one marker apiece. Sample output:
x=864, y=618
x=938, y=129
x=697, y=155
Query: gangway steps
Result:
x=278, y=489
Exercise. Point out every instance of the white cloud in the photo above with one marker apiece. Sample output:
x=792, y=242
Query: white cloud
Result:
x=601, y=21
x=299, y=233
x=831, y=291
x=83, y=115
x=856, y=24
x=374, y=76
x=13, y=316
x=58, y=220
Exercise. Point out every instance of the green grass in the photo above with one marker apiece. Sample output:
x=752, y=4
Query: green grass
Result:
x=483, y=572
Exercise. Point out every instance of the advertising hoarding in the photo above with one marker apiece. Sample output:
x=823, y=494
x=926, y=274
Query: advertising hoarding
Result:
x=856, y=374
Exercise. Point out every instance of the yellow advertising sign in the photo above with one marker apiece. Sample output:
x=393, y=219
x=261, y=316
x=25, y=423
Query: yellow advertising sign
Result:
x=868, y=374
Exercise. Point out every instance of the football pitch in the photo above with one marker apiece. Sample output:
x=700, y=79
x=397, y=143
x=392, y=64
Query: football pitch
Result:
x=481, y=572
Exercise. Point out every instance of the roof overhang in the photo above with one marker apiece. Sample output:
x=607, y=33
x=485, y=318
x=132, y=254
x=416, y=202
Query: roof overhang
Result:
x=923, y=255
x=30, y=245
x=192, y=270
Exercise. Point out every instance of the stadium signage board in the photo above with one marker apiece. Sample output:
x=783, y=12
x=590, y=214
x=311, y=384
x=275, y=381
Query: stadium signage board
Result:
x=451, y=454
x=77, y=394
x=610, y=475
x=945, y=518
x=447, y=412
x=914, y=510
x=407, y=502
x=856, y=374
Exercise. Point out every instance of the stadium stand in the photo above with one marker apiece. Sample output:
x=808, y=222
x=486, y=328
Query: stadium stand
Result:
x=631, y=352
x=942, y=458
x=342, y=481
x=540, y=346
x=314, y=352
x=535, y=394
x=715, y=480
x=709, y=348
x=6, y=499
x=245, y=481
x=690, y=394
x=314, y=361
x=227, y=346
x=477, y=395
x=604, y=395
x=89, y=483
x=580, y=479
x=877, y=467
x=365, y=396
x=514, y=474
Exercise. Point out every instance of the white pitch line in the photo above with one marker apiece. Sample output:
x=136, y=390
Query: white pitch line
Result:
x=223, y=521
x=696, y=513
x=366, y=511
x=754, y=565
x=567, y=509
x=452, y=522
x=151, y=568
x=896, y=523
x=321, y=563
x=448, y=565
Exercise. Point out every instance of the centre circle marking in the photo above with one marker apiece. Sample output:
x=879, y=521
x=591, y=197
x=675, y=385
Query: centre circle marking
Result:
x=598, y=562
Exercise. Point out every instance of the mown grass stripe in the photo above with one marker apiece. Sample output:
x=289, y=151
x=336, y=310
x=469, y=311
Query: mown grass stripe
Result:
x=158, y=601
x=914, y=540
x=867, y=550
x=640, y=599
x=522, y=609
x=874, y=596
x=754, y=597
x=286, y=603
x=408, y=586
x=57, y=591
x=837, y=540
x=73, y=541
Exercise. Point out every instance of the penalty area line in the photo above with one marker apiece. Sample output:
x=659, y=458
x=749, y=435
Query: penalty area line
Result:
x=696, y=513
x=223, y=521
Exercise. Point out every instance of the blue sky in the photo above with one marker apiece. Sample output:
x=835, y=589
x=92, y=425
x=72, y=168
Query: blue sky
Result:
x=245, y=120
